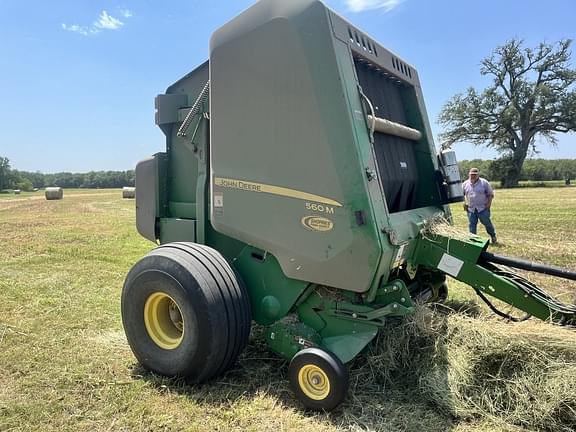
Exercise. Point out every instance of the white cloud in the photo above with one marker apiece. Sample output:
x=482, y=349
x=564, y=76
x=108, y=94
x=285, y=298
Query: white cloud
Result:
x=107, y=22
x=126, y=13
x=76, y=29
x=104, y=22
x=364, y=5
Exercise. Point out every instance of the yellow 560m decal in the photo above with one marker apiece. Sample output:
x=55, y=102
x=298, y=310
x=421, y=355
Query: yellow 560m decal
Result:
x=317, y=223
x=275, y=190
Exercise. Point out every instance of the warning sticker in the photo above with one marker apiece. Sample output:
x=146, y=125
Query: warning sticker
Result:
x=450, y=265
x=218, y=199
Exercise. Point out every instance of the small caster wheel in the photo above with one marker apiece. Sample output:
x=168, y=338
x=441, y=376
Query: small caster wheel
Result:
x=318, y=378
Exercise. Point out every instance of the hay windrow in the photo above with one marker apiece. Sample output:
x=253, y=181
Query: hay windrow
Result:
x=474, y=369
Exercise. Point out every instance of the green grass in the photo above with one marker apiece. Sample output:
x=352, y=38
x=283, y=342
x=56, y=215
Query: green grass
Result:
x=65, y=364
x=10, y=196
x=6, y=195
x=537, y=183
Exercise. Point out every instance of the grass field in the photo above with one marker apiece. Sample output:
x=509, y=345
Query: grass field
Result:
x=536, y=183
x=65, y=364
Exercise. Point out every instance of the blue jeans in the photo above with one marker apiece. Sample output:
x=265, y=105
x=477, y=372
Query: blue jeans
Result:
x=484, y=217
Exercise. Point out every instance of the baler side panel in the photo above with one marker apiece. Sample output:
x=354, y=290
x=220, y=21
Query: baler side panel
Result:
x=281, y=131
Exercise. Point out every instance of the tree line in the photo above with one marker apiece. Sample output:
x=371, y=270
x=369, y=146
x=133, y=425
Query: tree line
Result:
x=27, y=181
x=493, y=170
x=532, y=169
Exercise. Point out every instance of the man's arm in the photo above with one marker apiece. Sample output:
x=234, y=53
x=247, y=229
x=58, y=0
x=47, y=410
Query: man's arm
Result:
x=489, y=195
x=489, y=202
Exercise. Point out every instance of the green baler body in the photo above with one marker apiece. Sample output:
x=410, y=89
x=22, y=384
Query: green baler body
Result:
x=284, y=177
x=280, y=172
x=288, y=140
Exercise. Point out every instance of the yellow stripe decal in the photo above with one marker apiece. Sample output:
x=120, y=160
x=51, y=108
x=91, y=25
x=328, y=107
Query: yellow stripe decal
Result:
x=274, y=190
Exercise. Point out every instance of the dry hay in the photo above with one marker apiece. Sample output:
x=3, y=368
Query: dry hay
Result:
x=54, y=193
x=439, y=225
x=128, y=192
x=470, y=369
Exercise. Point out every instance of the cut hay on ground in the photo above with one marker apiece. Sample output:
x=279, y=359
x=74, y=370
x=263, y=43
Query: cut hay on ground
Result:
x=474, y=369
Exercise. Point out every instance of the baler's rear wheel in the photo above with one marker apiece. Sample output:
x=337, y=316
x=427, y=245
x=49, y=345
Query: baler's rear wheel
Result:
x=185, y=313
x=163, y=320
x=318, y=378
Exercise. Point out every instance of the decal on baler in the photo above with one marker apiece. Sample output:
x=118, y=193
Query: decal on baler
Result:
x=450, y=265
x=274, y=190
x=317, y=223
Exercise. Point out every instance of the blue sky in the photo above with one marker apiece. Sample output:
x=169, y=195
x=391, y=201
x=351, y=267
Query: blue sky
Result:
x=78, y=77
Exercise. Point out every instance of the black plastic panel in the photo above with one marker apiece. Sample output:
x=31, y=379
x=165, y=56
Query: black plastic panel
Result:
x=395, y=156
x=398, y=171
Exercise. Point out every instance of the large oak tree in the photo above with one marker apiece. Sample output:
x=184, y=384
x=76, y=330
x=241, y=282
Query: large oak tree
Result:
x=532, y=96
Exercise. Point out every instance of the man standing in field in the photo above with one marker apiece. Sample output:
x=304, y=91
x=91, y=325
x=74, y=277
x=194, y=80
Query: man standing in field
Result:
x=478, y=199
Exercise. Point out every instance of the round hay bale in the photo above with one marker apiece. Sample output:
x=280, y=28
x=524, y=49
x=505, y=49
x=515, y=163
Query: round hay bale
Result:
x=54, y=193
x=128, y=192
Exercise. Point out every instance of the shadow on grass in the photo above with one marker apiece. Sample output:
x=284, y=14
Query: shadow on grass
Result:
x=386, y=391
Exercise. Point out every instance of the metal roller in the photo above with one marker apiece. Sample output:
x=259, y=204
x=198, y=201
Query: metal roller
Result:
x=393, y=128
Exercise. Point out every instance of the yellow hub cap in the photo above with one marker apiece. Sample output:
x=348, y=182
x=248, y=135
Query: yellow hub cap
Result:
x=163, y=321
x=314, y=382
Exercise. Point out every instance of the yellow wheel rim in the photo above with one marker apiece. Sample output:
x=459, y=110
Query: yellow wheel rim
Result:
x=314, y=382
x=163, y=320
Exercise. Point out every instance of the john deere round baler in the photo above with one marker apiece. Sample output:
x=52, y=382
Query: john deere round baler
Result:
x=297, y=183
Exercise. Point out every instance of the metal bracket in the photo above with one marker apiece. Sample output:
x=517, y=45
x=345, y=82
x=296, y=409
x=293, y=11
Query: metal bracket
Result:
x=370, y=174
x=376, y=317
x=392, y=236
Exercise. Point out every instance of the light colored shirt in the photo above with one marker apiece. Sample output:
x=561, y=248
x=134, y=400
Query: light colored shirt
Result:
x=477, y=194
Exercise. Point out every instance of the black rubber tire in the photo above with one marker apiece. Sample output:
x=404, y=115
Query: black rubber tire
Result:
x=334, y=370
x=213, y=303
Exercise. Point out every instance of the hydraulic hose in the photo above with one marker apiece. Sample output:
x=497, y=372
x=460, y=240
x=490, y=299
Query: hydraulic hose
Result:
x=528, y=265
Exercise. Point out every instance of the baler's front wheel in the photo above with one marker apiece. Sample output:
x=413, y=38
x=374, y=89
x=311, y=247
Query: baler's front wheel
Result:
x=318, y=378
x=184, y=311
